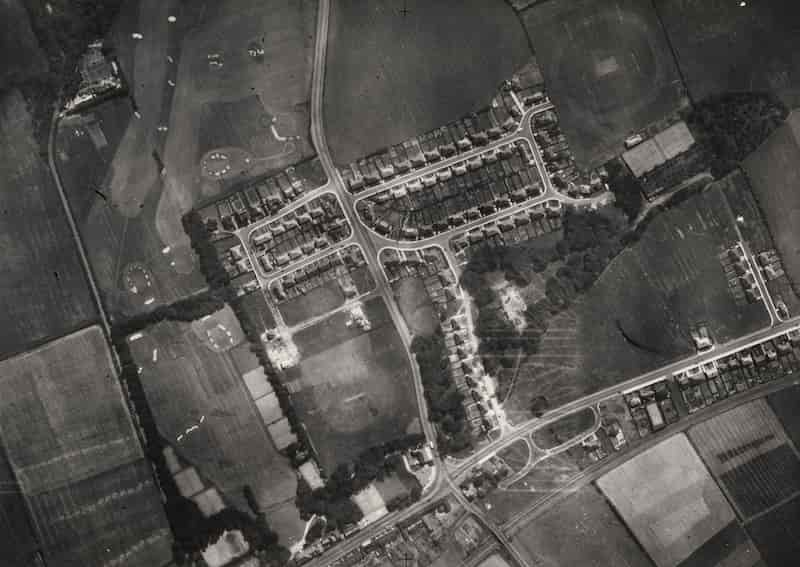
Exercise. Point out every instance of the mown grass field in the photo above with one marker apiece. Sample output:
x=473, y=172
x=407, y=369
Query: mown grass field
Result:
x=391, y=75
x=416, y=306
x=608, y=69
x=724, y=47
x=353, y=389
x=44, y=292
x=281, y=80
x=184, y=380
x=79, y=464
x=581, y=529
x=114, y=241
x=774, y=173
x=668, y=499
x=747, y=450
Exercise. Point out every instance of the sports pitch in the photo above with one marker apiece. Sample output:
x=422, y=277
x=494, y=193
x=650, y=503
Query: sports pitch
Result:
x=668, y=500
x=353, y=389
x=607, y=67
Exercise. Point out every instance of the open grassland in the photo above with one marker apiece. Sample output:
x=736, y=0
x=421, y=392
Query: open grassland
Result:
x=565, y=429
x=774, y=172
x=235, y=103
x=785, y=404
x=777, y=534
x=416, y=306
x=118, y=244
x=44, y=292
x=15, y=522
x=79, y=464
x=516, y=455
x=581, y=530
x=353, y=389
x=315, y=303
x=608, y=69
x=668, y=500
x=185, y=380
x=723, y=47
x=748, y=451
x=393, y=73
x=640, y=312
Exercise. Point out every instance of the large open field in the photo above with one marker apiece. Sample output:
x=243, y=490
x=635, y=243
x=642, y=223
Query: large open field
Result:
x=639, y=314
x=723, y=47
x=253, y=101
x=608, y=69
x=581, y=529
x=785, y=404
x=777, y=534
x=184, y=379
x=44, y=291
x=774, y=172
x=392, y=74
x=353, y=389
x=668, y=500
x=749, y=453
x=15, y=523
x=416, y=306
x=21, y=57
x=80, y=465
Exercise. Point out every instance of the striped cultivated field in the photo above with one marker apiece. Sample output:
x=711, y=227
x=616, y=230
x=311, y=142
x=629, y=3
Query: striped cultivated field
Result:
x=748, y=451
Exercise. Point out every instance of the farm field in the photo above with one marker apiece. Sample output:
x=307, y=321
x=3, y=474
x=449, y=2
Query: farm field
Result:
x=774, y=173
x=416, y=306
x=23, y=57
x=259, y=102
x=565, y=429
x=80, y=466
x=184, y=379
x=729, y=546
x=44, y=290
x=15, y=522
x=747, y=450
x=582, y=529
x=392, y=75
x=668, y=500
x=316, y=302
x=722, y=48
x=123, y=250
x=353, y=389
x=777, y=534
x=608, y=69
x=256, y=305
x=785, y=404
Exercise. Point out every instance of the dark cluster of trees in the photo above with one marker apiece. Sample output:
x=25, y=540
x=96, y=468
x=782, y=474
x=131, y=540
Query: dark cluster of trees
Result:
x=732, y=125
x=626, y=188
x=63, y=35
x=333, y=500
x=210, y=265
x=591, y=239
x=445, y=402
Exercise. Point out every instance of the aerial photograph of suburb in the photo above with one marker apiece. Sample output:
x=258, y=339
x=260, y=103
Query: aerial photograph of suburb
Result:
x=400, y=283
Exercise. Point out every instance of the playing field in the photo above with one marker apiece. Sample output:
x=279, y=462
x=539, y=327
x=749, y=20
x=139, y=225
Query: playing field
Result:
x=749, y=453
x=608, y=69
x=581, y=529
x=416, y=306
x=185, y=382
x=724, y=47
x=668, y=499
x=80, y=465
x=774, y=172
x=354, y=389
x=259, y=102
x=44, y=292
x=398, y=69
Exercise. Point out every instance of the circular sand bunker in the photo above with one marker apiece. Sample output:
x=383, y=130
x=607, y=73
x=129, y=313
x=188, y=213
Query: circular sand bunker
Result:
x=223, y=163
